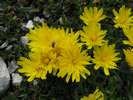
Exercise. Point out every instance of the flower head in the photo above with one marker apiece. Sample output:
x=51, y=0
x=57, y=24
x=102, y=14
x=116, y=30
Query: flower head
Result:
x=93, y=36
x=67, y=38
x=105, y=57
x=129, y=34
x=92, y=16
x=97, y=95
x=72, y=60
x=38, y=64
x=129, y=56
x=43, y=37
x=32, y=68
x=123, y=18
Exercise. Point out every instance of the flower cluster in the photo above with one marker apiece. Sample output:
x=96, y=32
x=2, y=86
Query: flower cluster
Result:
x=58, y=51
x=92, y=36
x=54, y=51
x=124, y=20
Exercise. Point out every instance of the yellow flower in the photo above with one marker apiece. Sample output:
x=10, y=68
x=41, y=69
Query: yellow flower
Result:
x=97, y=95
x=68, y=38
x=38, y=64
x=123, y=18
x=43, y=37
x=92, y=16
x=129, y=34
x=105, y=57
x=32, y=68
x=72, y=60
x=93, y=36
x=129, y=56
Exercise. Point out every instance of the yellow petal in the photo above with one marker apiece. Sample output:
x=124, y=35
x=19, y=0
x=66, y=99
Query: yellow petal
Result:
x=106, y=71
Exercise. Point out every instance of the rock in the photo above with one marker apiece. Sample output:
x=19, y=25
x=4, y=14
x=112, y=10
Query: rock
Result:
x=29, y=24
x=12, y=66
x=4, y=45
x=24, y=40
x=24, y=29
x=4, y=77
x=35, y=82
x=61, y=20
x=42, y=20
x=46, y=14
x=9, y=47
x=16, y=79
x=38, y=19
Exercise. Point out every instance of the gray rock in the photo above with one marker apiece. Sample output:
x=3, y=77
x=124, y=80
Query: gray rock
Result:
x=38, y=19
x=16, y=79
x=61, y=20
x=9, y=47
x=42, y=20
x=46, y=14
x=35, y=82
x=24, y=40
x=12, y=66
x=4, y=77
x=29, y=24
x=4, y=45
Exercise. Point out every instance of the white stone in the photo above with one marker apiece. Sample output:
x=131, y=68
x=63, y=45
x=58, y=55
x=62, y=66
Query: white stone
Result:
x=36, y=19
x=4, y=45
x=16, y=79
x=9, y=47
x=24, y=40
x=61, y=20
x=4, y=76
x=29, y=24
x=35, y=82
x=42, y=20
x=46, y=14
x=12, y=66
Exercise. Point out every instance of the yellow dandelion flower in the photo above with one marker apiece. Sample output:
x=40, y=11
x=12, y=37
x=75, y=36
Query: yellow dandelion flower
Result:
x=129, y=56
x=72, y=60
x=129, y=34
x=38, y=65
x=123, y=18
x=93, y=36
x=73, y=64
x=97, y=95
x=43, y=37
x=52, y=55
x=105, y=57
x=68, y=38
x=92, y=16
x=32, y=68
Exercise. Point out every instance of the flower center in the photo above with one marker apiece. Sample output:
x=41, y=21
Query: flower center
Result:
x=38, y=69
x=104, y=57
x=123, y=21
x=93, y=38
x=45, y=60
